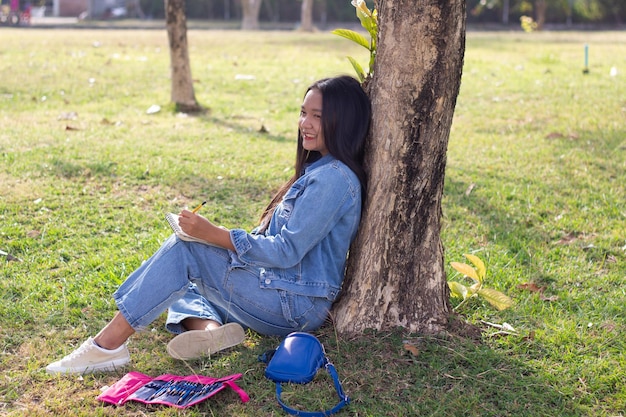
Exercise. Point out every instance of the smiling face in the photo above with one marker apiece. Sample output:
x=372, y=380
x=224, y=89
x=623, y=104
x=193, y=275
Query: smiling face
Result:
x=310, y=123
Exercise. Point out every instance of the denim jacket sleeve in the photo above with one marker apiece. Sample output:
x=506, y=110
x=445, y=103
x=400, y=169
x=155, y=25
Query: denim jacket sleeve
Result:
x=317, y=218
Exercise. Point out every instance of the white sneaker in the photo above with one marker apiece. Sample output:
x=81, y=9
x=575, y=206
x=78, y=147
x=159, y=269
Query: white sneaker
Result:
x=196, y=343
x=90, y=357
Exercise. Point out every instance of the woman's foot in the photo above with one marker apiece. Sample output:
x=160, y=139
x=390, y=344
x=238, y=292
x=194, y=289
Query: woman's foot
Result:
x=90, y=357
x=196, y=343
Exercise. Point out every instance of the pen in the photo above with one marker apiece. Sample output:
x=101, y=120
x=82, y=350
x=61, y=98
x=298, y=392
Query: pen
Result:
x=194, y=211
x=164, y=387
x=189, y=388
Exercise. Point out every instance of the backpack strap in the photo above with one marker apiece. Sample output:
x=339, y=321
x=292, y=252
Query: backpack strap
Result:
x=343, y=398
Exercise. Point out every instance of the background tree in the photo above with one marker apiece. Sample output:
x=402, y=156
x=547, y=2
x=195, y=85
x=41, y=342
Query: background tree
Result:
x=540, y=13
x=250, y=12
x=182, y=84
x=306, y=16
x=396, y=274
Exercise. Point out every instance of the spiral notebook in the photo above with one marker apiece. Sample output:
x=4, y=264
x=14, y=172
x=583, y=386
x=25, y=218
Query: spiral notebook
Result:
x=172, y=219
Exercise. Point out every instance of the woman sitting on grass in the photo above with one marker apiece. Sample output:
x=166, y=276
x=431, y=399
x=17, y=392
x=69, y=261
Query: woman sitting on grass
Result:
x=281, y=277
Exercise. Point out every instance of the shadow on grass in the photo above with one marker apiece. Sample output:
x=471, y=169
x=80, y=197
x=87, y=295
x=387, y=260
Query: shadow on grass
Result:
x=437, y=377
x=442, y=377
x=242, y=128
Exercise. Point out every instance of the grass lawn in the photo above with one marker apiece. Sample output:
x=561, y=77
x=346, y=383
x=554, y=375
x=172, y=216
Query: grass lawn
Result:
x=535, y=186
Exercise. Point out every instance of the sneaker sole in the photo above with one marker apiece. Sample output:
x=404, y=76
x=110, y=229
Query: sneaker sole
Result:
x=196, y=343
x=109, y=366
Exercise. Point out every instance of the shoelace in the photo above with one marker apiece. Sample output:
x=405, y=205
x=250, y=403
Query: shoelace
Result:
x=78, y=352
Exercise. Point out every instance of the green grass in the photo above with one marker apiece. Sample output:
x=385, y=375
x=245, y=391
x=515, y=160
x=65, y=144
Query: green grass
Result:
x=535, y=186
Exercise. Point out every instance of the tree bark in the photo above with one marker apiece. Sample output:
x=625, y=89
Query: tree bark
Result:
x=395, y=273
x=250, y=14
x=306, y=16
x=182, y=84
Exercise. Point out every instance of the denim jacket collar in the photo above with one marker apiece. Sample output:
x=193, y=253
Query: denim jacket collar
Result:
x=323, y=160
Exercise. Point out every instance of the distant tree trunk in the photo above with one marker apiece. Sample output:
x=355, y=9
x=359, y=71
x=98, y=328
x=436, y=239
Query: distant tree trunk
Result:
x=134, y=9
x=226, y=9
x=306, y=16
x=395, y=273
x=272, y=10
x=540, y=13
x=505, y=12
x=250, y=11
x=568, y=13
x=182, y=84
x=323, y=9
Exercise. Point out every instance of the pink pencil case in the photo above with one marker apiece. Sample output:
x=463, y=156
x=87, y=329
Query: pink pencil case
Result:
x=172, y=390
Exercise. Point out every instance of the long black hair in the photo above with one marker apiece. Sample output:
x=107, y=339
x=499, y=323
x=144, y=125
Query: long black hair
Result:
x=346, y=116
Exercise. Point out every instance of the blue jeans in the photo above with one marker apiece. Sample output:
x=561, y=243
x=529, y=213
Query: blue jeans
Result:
x=226, y=290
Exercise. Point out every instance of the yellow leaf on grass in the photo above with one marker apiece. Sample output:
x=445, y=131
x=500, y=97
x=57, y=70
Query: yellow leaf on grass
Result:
x=466, y=270
x=457, y=290
x=479, y=264
x=496, y=298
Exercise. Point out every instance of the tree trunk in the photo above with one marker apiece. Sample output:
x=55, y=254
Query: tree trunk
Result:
x=250, y=10
x=306, y=16
x=540, y=13
x=182, y=84
x=505, y=12
x=395, y=273
x=134, y=9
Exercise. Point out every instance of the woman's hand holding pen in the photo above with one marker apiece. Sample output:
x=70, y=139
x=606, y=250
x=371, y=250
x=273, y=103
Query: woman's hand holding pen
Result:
x=193, y=224
x=198, y=226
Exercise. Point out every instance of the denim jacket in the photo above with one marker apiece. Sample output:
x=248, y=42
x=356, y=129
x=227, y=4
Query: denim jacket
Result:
x=304, y=249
